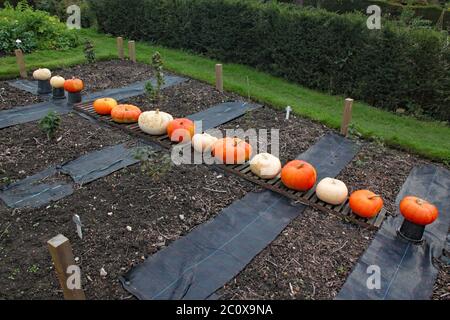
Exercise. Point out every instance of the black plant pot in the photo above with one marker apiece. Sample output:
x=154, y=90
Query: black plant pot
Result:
x=411, y=232
x=59, y=93
x=44, y=87
x=74, y=97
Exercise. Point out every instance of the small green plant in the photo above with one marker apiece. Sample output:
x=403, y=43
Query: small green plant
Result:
x=50, y=124
x=149, y=90
x=33, y=269
x=158, y=65
x=14, y=273
x=89, y=51
x=154, y=164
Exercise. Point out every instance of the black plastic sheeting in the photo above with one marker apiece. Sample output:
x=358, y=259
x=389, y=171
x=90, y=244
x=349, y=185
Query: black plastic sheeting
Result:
x=34, y=192
x=407, y=270
x=35, y=112
x=222, y=113
x=101, y=163
x=197, y=265
x=27, y=85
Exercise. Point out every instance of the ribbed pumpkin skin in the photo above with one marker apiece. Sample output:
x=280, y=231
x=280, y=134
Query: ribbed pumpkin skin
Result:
x=232, y=151
x=365, y=203
x=418, y=211
x=181, y=130
x=104, y=106
x=299, y=175
x=125, y=113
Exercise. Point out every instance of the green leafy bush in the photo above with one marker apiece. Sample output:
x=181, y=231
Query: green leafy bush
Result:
x=50, y=124
x=34, y=28
x=395, y=67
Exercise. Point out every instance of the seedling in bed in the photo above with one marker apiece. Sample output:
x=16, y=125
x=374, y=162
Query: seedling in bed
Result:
x=157, y=64
x=50, y=124
x=154, y=164
x=89, y=52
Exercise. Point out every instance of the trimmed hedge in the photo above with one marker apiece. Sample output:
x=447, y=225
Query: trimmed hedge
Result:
x=431, y=12
x=389, y=68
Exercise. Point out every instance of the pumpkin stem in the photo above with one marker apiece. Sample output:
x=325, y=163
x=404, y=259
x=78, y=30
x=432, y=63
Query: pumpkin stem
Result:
x=301, y=165
x=420, y=202
x=373, y=197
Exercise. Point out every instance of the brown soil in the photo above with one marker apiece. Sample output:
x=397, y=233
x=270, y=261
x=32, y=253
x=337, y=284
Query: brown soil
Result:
x=185, y=99
x=11, y=97
x=310, y=260
x=26, y=149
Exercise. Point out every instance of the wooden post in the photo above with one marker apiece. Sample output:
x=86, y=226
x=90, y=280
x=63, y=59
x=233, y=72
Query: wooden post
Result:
x=347, y=117
x=120, y=48
x=21, y=63
x=219, y=77
x=132, y=50
x=62, y=256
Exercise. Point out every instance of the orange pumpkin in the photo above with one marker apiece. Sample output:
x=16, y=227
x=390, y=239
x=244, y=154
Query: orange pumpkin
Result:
x=299, y=175
x=73, y=85
x=418, y=211
x=365, y=203
x=232, y=151
x=104, y=106
x=181, y=130
x=125, y=113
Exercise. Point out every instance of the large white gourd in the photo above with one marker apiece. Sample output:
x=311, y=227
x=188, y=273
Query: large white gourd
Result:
x=332, y=191
x=203, y=142
x=42, y=74
x=154, y=122
x=265, y=166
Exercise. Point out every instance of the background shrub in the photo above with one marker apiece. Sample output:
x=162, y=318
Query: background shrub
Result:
x=396, y=67
x=34, y=28
x=58, y=8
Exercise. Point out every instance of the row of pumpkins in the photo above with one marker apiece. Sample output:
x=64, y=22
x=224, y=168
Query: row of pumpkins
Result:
x=296, y=175
x=73, y=85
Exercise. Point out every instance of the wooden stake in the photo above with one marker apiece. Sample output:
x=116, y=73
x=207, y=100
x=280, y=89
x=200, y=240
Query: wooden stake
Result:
x=132, y=50
x=347, y=117
x=62, y=256
x=120, y=48
x=219, y=77
x=21, y=63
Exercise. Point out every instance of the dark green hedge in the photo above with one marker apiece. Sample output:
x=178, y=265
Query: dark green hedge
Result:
x=431, y=12
x=391, y=68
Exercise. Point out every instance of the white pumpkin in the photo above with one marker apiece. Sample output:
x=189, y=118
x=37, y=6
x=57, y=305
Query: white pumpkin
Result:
x=57, y=82
x=154, y=122
x=265, y=166
x=332, y=191
x=42, y=74
x=203, y=142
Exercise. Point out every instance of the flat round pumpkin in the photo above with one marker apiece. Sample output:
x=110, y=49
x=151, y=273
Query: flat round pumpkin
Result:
x=125, y=113
x=418, y=211
x=104, y=106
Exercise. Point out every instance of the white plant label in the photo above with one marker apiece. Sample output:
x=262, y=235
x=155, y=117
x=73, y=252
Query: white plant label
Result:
x=288, y=112
x=374, y=280
x=374, y=20
x=76, y=219
x=74, y=19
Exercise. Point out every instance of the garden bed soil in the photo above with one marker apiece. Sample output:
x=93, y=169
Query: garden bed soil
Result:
x=310, y=260
x=26, y=150
x=11, y=97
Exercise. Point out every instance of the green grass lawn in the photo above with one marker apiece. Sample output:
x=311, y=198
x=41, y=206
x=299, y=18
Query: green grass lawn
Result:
x=429, y=139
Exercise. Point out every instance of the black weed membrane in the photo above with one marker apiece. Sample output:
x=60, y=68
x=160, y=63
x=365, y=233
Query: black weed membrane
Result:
x=405, y=270
x=197, y=265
